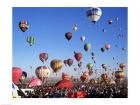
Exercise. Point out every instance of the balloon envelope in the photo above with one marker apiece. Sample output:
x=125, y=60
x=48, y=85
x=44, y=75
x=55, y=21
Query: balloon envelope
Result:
x=23, y=25
x=16, y=74
x=35, y=82
x=43, y=57
x=56, y=65
x=94, y=14
x=68, y=35
x=65, y=84
x=42, y=72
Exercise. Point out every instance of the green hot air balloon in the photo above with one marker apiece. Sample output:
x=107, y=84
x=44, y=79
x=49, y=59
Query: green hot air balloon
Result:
x=31, y=40
x=87, y=46
x=90, y=66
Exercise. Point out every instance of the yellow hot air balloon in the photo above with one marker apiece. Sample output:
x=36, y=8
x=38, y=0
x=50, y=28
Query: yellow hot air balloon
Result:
x=56, y=65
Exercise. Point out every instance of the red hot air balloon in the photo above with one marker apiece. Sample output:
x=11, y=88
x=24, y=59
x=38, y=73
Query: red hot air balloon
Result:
x=65, y=84
x=69, y=62
x=107, y=46
x=35, y=82
x=68, y=35
x=43, y=57
x=16, y=74
x=78, y=56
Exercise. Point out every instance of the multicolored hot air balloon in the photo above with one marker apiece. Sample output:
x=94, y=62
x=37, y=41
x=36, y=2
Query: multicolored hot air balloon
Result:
x=23, y=76
x=56, y=65
x=42, y=72
x=16, y=74
x=104, y=77
x=78, y=56
x=104, y=66
x=23, y=25
x=122, y=66
x=43, y=57
x=69, y=61
x=119, y=75
x=65, y=76
x=87, y=46
x=68, y=35
x=31, y=40
x=94, y=14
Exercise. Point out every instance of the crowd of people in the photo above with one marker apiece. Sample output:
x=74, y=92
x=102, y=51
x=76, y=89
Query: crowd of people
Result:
x=80, y=90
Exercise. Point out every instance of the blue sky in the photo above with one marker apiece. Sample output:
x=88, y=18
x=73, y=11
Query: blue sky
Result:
x=49, y=25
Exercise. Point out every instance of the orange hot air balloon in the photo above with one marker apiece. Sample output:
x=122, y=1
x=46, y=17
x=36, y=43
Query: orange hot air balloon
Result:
x=56, y=65
x=65, y=76
x=119, y=75
x=122, y=66
x=104, y=77
x=42, y=72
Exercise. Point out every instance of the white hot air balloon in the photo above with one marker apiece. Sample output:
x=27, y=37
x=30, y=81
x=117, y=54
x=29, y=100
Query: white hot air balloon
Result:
x=83, y=38
x=94, y=14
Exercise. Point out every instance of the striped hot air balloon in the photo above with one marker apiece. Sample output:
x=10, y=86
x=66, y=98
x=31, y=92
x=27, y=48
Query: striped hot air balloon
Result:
x=31, y=40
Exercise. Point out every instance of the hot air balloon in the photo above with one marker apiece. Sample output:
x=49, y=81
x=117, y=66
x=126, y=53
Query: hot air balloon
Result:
x=104, y=77
x=64, y=84
x=110, y=21
x=87, y=46
x=31, y=40
x=65, y=76
x=65, y=62
x=68, y=35
x=23, y=25
x=16, y=74
x=56, y=65
x=107, y=46
x=122, y=66
x=83, y=38
x=90, y=72
x=78, y=56
x=123, y=49
x=94, y=14
x=23, y=76
x=102, y=49
x=75, y=28
x=35, y=82
x=103, y=30
x=119, y=75
x=90, y=66
x=104, y=66
x=69, y=62
x=92, y=54
x=83, y=78
x=43, y=57
x=80, y=64
x=93, y=81
x=42, y=72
